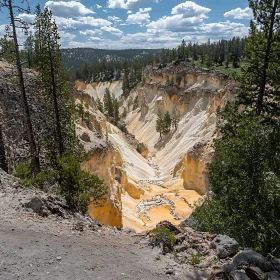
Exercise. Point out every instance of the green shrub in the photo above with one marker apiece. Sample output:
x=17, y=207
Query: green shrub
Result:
x=79, y=186
x=23, y=171
x=195, y=258
x=246, y=181
x=162, y=237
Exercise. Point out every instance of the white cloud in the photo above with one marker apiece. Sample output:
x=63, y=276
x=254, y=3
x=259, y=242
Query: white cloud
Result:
x=112, y=30
x=95, y=39
x=28, y=18
x=129, y=12
x=145, y=10
x=190, y=9
x=138, y=18
x=239, y=13
x=68, y=9
x=91, y=33
x=98, y=6
x=115, y=19
x=80, y=23
x=127, y=4
x=141, y=17
x=227, y=30
x=176, y=23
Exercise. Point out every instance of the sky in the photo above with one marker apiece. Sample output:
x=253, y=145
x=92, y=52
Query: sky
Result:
x=125, y=24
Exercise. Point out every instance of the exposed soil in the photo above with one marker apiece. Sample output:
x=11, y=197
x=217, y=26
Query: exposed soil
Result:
x=32, y=247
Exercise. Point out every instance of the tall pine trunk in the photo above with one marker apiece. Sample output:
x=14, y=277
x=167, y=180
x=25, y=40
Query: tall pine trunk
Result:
x=32, y=145
x=266, y=61
x=56, y=108
x=3, y=162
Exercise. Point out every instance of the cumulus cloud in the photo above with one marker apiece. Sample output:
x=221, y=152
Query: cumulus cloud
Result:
x=141, y=17
x=190, y=9
x=91, y=33
x=80, y=23
x=185, y=17
x=176, y=23
x=28, y=18
x=98, y=6
x=114, y=19
x=112, y=30
x=68, y=9
x=127, y=4
x=239, y=13
x=227, y=30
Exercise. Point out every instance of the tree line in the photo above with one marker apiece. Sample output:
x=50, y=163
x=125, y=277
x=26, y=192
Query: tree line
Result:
x=55, y=152
x=227, y=53
x=245, y=177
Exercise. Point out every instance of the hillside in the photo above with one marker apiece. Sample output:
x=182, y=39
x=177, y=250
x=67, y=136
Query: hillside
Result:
x=74, y=58
x=164, y=182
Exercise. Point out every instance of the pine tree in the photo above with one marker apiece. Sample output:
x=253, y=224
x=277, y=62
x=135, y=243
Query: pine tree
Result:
x=81, y=111
x=166, y=123
x=59, y=136
x=160, y=124
x=28, y=47
x=9, y=4
x=245, y=176
x=125, y=85
x=108, y=103
x=99, y=105
x=175, y=120
x=116, y=114
x=124, y=113
x=259, y=78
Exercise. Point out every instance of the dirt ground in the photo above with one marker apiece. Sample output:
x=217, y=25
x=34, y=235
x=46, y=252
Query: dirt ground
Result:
x=32, y=247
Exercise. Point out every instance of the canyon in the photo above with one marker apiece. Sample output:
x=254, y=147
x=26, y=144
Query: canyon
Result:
x=166, y=177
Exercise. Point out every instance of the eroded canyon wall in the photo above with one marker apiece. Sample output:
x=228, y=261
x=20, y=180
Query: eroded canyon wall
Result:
x=172, y=176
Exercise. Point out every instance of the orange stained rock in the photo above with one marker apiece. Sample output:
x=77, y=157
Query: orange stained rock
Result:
x=106, y=214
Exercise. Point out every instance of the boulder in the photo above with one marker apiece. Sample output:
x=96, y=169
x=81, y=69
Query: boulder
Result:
x=169, y=226
x=255, y=273
x=250, y=257
x=238, y=275
x=225, y=246
x=85, y=137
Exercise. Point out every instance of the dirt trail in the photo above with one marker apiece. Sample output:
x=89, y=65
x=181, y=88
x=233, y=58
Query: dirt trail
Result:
x=36, y=248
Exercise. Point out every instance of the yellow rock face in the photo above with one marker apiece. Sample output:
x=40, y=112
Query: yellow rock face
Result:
x=107, y=214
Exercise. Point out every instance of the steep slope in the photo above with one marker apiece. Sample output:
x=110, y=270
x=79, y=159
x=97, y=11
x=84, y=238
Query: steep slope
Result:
x=166, y=184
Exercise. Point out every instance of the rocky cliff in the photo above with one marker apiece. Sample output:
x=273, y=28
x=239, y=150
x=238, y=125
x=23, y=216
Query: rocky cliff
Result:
x=165, y=184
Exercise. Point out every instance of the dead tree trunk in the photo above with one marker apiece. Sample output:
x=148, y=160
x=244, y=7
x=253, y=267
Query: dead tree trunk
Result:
x=3, y=162
x=32, y=145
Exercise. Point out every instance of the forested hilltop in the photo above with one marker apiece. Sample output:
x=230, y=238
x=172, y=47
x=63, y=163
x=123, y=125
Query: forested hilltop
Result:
x=74, y=58
x=226, y=56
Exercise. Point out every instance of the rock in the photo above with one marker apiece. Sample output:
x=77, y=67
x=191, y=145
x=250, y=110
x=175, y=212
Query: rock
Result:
x=189, y=222
x=216, y=272
x=254, y=273
x=225, y=246
x=238, y=275
x=250, y=257
x=182, y=247
x=59, y=258
x=85, y=137
x=169, y=226
x=274, y=275
x=36, y=204
x=227, y=268
x=79, y=226
x=170, y=272
x=180, y=238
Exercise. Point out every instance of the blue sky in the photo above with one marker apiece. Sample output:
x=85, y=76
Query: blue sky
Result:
x=121, y=24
